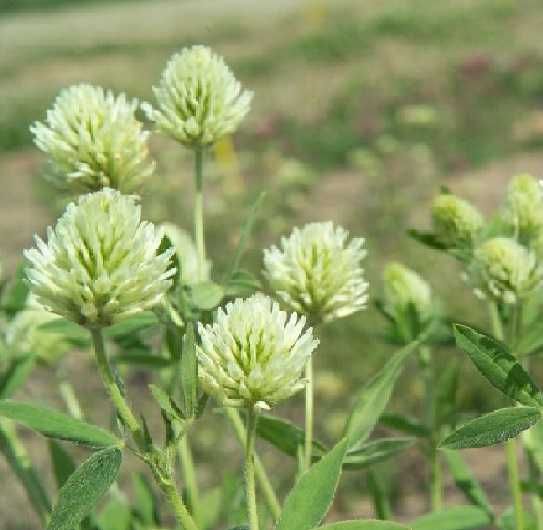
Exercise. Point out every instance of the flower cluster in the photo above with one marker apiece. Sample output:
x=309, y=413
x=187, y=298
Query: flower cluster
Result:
x=199, y=98
x=456, y=222
x=94, y=140
x=505, y=270
x=254, y=354
x=101, y=262
x=318, y=273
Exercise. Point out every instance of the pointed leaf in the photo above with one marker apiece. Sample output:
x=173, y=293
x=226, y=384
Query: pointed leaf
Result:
x=16, y=375
x=465, y=481
x=145, y=503
x=57, y=425
x=373, y=398
x=69, y=330
x=376, y=451
x=134, y=324
x=310, y=499
x=457, y=518
x=426, y=238
x=365, y=525
x=284, y=435
x=379, y=495
x=404, y=424
x=492, y=428
x=494, y=361
x=63, y=464
x=206, y=295
x=84, y=488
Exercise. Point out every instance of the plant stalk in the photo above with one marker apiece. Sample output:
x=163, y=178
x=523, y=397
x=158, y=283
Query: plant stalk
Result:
x=189, y=474
x=308, y=446
x=261, y=476
x=199, y=211
x=250, y=468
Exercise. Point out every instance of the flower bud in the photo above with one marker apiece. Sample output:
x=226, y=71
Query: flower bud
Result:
x=456, y=222
x=199, y=99
x=100, y=263
x=506, y=270
x=524, y=208
x=404, y=288
x=318, y=273
x=253, y=354
x=94, y=141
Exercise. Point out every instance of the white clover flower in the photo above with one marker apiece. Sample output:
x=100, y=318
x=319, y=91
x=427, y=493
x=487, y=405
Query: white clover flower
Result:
x=199, y=99
x=506, y=270
x=317, y=273
x=456, y=222
x=254, y=354
x=94, y=141
x=100, y=263
x=524, y=208
x=186, y=254
x=403, y=288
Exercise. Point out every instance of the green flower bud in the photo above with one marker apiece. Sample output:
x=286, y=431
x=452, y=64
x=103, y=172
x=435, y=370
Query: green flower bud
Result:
x=506, y=270
x=524, y=208
x=94, y=141
x=456, y=222
x=404, y=288
x=254, y=354
x=199, y=99
x=100, y=263
x=317, y=273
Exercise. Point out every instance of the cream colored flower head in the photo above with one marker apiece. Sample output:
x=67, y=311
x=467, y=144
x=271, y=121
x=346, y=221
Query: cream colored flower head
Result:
x=199, y=99
x=457, y=223
x=318, y=272
x=506, y=270
x=100, y=263
x=524, y=207
x=187, y=254
x=253, y=354
x=94, y=140
x=404, y=288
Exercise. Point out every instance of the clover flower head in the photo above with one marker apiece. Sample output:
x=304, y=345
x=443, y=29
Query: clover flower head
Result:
x=187, y=254
x=317, y=272
x=253, y=354
x=456, y=222
x=199, y=99
x=524, y=208
x=405, y=288
x=94, y=141
x=100, y=263
x=505, y=270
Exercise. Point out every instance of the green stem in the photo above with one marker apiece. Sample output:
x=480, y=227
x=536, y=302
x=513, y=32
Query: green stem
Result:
x=199, y=211
x=124, y=411
x=189, y=474
x=70, y=399
x=261, y=475
x=510, y=445
x=436, y=482
x=308, y=447
x=250, y=468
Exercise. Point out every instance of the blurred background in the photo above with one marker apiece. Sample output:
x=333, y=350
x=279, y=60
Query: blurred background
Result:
x=361, y=111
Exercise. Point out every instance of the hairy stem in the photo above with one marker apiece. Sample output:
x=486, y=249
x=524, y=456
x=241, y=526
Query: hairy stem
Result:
x=308, y=446
x=250, y=468
x=199, y=211
x=262, y=477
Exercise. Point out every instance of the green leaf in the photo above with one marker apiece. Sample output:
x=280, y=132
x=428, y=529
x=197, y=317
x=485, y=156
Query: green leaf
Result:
x=166, y=403
x=284, y=435
x=492, y=428
x=310, y=499
x=145, y=503
x=69, y=330
x=445, y=399
x=15, y=294
x=21, y=465
x=16, y=375
x=115, y=515
x=376, y=451
x=242, y=283
x=84, y=488
x=62, y=462
x=466, y=482
x=206, y=295
x=379, y=495
x=57, y=425
x=189, y=373
x=494, y=361
x=457, y=518
x=374, y=396
x=139, y=322
x=404, y=424
x=365, y=525
x=531, y=341
x=426, y=238
x=142, y=359
x=212, y=500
